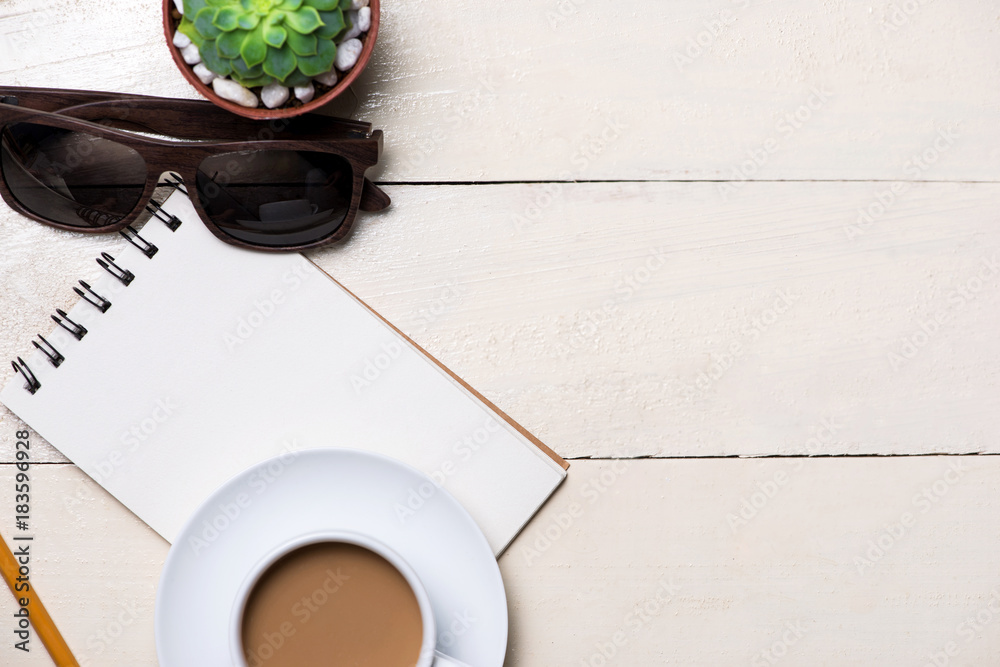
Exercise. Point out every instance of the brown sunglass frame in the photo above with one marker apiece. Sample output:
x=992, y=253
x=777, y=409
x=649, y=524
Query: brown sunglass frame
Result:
x=192, y=119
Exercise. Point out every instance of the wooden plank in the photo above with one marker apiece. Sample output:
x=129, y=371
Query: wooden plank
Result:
x=619, y=532
x=94, y=564
x=606, y=323
x=602, y=322
x=569, y=89
x=651, y=554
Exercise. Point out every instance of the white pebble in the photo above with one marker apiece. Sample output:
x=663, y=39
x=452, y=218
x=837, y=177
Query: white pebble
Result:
x=328, y=79
x=273, y=95
x=358, y=4
x=305, y=93
x=206, y=75
x=365, y=18
x=348, y=52
x=181, y=40
x=234, y=92
x=190, y=54
x=355, y=28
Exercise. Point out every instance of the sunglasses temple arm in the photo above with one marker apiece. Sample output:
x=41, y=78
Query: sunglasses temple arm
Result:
x=373, y=198
x=53, y=99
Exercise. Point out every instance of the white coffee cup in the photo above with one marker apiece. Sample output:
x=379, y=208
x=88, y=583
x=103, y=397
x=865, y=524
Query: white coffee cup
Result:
x=429, y=655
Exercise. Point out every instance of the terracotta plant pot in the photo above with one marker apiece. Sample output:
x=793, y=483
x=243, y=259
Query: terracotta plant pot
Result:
x=263, y=113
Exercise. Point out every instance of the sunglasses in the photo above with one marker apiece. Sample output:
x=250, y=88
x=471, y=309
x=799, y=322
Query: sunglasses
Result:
x=90, y=162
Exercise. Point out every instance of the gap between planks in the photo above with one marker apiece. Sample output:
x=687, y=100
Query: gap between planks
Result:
x=687, y=180
x=681, y=458
x=776, y=456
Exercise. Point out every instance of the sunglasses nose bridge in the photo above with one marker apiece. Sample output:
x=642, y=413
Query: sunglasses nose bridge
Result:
x=180, y=163
x=180, y=167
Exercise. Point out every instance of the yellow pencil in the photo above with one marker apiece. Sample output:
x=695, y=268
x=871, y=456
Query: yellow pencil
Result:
x=40, y=619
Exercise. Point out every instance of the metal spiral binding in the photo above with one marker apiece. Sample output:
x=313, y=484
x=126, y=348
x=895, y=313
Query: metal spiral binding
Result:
x=132, y=236
x=75, y=328
x=49, y=350
x=92, y=297
x=177, y=183
x=171, y=221
x=22, y=368
x=108, y=264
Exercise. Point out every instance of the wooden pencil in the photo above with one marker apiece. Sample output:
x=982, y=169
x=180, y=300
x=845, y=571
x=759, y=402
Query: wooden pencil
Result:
x=46, y=630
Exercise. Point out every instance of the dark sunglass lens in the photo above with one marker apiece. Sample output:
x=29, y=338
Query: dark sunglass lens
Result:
x=275, y=198
x=70, y=177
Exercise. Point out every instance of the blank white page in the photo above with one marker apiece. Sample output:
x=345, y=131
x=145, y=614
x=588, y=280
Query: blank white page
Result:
x=216, y=358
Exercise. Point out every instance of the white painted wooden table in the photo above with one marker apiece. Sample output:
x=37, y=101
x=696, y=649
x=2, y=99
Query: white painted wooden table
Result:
x=668, y=238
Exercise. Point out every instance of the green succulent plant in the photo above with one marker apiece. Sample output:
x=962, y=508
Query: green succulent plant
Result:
x=258, y=42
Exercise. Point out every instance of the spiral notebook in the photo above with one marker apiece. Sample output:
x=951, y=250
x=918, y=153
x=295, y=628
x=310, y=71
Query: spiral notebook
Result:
x=187, y=360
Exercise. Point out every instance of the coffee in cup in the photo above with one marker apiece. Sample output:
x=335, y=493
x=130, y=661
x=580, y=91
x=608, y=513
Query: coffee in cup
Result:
x=333, y=602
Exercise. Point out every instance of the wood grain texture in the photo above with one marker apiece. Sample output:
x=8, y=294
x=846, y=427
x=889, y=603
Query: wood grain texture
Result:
x=575, y=89
x=507, y=285
x=607, y=322
x=660, y=531
x=94, y=564
x=587, y=572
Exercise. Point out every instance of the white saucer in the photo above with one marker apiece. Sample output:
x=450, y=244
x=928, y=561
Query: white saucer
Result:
x=329, y=489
